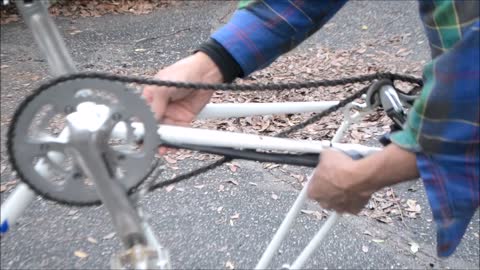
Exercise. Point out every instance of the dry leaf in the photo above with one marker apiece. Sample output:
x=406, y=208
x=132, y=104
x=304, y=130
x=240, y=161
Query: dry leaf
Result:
x=414, y=247
x=232, y=181
x=229, y=265
x=368, y=233
x=316, y=214
x=80, y=254
x=92, y=240
x=109, y=236
x=75, y=32
x=364, y=248
x=274, y=196
x=169, y=188
x=170, y=160
x=233, y=167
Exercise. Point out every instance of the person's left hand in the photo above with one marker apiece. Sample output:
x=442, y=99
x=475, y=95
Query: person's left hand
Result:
x=335, y=184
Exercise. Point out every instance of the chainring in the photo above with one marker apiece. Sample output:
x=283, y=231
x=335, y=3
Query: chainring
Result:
x=39, y=137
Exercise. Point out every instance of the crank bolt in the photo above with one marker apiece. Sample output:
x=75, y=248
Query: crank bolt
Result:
x=68, y=109
x=116, y=117
x=44, y=147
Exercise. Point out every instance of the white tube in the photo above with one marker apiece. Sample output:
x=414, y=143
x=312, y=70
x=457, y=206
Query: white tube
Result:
x=315, y=242
x=282, y=230
x=205, y=137
x=341, y=131
x=225, y=110
x=14, y=206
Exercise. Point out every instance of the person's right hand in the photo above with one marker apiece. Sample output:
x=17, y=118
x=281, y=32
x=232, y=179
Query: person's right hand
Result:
x=180, y=106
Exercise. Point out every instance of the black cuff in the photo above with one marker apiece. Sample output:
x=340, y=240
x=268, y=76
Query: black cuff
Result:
x=228, y=66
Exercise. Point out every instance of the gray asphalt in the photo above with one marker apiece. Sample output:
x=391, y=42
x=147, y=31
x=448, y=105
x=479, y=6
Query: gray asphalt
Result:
x=189, y=221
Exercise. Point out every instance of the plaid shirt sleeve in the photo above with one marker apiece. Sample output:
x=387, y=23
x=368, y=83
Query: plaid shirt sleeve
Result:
x=260, y=31
x=442, y=127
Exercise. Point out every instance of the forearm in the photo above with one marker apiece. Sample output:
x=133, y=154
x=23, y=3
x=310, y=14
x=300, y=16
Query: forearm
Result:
x=256, y=35
x=390, y=166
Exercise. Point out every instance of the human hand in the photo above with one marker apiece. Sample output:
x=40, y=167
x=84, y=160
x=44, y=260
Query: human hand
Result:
x=180, y=106
x=335, y=184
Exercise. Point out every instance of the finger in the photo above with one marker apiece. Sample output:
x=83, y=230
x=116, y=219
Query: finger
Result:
x=163, y=150
x=159, y=103
x=148, y=94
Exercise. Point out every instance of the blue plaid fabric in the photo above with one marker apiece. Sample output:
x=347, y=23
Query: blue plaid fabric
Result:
x=442, y=127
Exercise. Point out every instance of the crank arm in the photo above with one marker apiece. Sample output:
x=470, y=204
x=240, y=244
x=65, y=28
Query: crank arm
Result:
x=85, y=148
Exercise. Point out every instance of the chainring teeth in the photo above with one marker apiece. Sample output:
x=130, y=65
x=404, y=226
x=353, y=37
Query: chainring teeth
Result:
x=132, y=106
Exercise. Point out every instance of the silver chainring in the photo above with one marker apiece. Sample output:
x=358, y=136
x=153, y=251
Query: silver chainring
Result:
x=39, y=138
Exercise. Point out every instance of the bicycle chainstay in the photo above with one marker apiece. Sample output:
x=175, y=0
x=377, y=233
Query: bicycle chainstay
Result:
x=227, y=87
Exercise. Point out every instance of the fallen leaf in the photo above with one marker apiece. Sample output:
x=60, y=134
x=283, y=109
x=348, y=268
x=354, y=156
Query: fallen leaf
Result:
x=413, y=207
x=169, y=188
x=368, y=233
x=229, y=265
x=316, y=214
x=170, y=160
x=80, y=254
x=109, y=236
x=92, y=240
x=378, y=240
x=233, y=167
x=414, y=247
x=75, y=32
x=274, y=196
x=236, y=216
x=232, y=181
x=364, y=248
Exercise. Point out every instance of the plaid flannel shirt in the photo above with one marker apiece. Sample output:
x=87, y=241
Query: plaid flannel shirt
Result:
x=443, y=125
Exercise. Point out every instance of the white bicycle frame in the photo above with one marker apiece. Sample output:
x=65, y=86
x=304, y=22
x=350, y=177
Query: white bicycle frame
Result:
x=61, y=63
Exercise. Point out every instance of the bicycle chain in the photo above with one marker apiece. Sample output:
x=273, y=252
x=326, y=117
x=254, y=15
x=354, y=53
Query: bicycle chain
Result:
x=223, y=86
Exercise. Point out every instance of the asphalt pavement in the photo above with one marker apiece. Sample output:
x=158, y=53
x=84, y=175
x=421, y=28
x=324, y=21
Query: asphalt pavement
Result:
x=209, y=222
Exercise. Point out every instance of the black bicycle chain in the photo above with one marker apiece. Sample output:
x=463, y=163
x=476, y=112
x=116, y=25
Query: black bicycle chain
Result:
x=222, y=86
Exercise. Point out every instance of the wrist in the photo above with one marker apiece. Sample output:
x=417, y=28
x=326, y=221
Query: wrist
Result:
x=208, y=70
